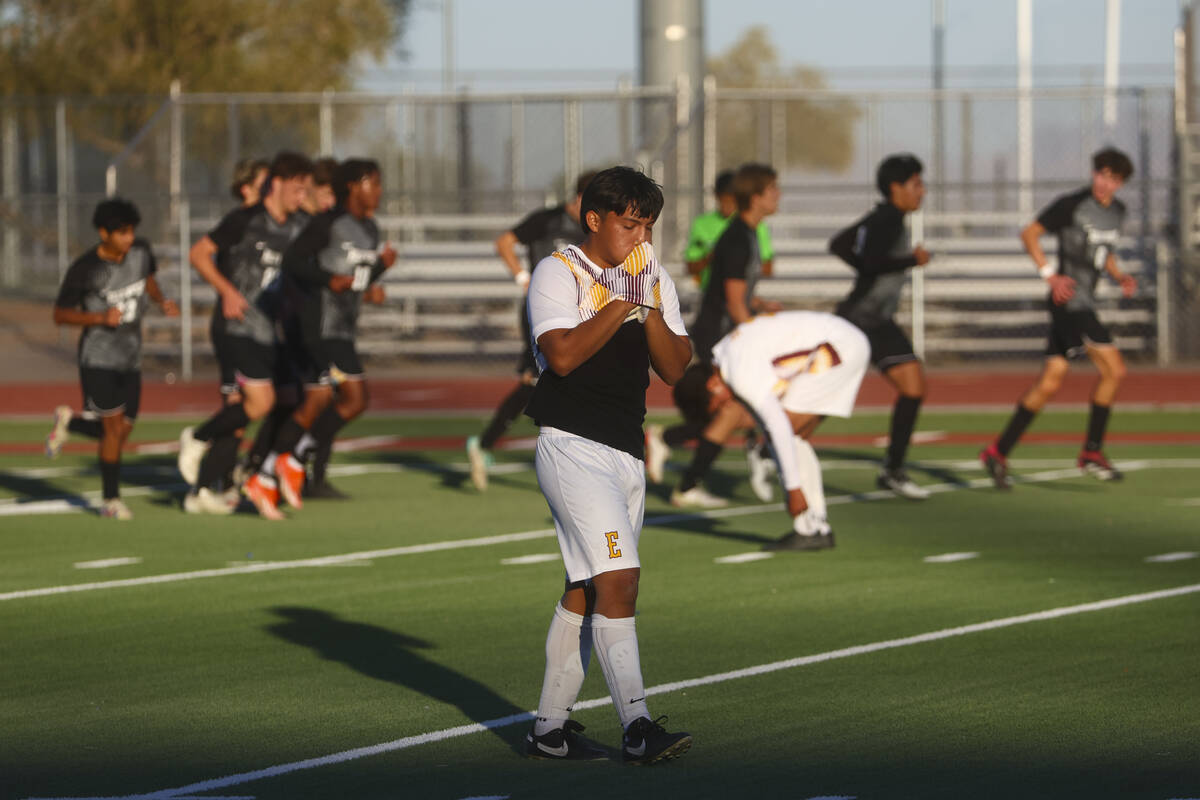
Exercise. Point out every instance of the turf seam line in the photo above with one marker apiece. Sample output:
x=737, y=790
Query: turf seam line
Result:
x=664, y=688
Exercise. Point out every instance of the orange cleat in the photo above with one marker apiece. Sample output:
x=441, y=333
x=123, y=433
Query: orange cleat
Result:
x=290, y=473
x=261, y=491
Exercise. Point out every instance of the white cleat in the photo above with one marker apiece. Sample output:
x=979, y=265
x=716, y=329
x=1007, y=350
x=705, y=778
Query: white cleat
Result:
x=696, y=497
x=657, y=453
x=898, y=482
x=59, y=433
x=760, y=474
x=115, y=509
x=206, y=501
x=191, y=453
x=480, y=460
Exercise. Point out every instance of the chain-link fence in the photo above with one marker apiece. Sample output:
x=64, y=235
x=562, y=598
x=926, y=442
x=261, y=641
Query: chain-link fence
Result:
x=458, y=169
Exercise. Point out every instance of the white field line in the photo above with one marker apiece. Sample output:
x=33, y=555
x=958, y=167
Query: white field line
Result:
x=949, y=558
x=707, y=680
x=105, y=563
x=661, y=519
x=1167, y=558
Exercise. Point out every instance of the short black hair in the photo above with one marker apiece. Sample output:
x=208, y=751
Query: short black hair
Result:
x=287, y=165
x=690, y=392
x=618, y=189
x=724, y=182
x=324, y=170
x=243, y=175
x=896, y=168
x=115, y=213
x=1115, y=161
x=351, y=171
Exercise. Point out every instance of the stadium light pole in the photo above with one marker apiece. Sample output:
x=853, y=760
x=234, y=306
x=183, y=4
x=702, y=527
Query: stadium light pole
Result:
x=939, y=84
x=1025, y=107
x=1112, y=63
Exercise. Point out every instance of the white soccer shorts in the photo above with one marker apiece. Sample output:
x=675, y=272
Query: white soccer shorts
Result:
x=597, y=496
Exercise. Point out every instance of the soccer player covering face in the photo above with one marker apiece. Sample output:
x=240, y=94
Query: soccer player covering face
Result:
x=602, y=313
x=791, y=370
x=334, y=261
x=730, y=299
x=1088, y=225
x=542, y=232
x=242, y=259
x=879, y=250
x=105, y=292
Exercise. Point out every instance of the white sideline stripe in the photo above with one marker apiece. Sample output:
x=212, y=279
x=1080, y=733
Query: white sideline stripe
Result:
x=1168, y=557
x=662, y=519
x=918, y=437
x=105, y=563
x=947, y=558
x=664, y=688
x=534, y=558
x=1188, y=501
x=743, y=558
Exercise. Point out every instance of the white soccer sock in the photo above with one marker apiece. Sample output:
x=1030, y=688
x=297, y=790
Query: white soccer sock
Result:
x=568, y=651
x=810, y=477
x=267, y=468
x=306, y=443
x=617, y=652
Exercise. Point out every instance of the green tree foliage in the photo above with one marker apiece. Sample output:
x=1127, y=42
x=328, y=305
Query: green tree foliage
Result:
x=819, y=132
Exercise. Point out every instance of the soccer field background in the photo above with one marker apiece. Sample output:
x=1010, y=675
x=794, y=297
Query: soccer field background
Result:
x=1037, y=643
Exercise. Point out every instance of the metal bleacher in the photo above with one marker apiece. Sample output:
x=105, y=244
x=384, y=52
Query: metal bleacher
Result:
x=450, y=298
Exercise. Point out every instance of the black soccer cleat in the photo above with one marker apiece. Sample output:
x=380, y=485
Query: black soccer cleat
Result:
x=323, y=490
x=996, y=466
x=797, y=541
x=648, y=742
x=563, y=744
x=1093, y=463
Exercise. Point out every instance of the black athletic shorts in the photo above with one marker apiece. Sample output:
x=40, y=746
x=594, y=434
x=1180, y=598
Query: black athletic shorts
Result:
x=246, y=359
x=890, y=346
x=1072, y=331
x=341, y=361
x=111, y=391
x=224, y=360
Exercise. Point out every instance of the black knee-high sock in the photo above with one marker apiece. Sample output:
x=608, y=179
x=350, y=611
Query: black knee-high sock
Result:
x=91, y=428
x=218, y=461
x=321, y=456
x=677, y=435
x=904, y=419
x=226, y=421
x=268, y=429
x=1097, y=425
x=110, y=479
x=509, y=409
x=706, y=453
x=1016, y=426
x=289, y=434
x=327, y=425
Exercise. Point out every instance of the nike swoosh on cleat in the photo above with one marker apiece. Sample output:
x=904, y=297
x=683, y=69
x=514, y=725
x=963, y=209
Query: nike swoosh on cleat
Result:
x=637, y=752
x=560, y=751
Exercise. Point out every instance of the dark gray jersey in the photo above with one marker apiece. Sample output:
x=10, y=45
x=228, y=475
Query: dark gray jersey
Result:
x=95, y=285
x=879, y=248
x=250, y=245
x=1087, y=234
x=334, y=243
x=547, y=230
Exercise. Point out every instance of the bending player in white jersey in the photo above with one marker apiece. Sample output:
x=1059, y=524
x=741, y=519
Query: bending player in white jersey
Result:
x=791, y=370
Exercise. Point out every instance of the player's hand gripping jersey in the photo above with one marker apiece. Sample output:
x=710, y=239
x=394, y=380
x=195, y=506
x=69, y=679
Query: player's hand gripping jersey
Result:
x=334, y=243
x=1087, y=234
x=603, y=399
x=95, y=285
x=807, y=362
x=250, y=246
x=879, y=249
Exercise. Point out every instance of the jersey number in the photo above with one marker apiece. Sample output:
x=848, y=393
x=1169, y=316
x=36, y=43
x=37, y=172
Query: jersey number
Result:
x=269, y=276
x=129, y=309
x=362, y=278
x=613, y=550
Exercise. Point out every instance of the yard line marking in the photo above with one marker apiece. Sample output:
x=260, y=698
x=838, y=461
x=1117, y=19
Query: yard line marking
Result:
x=105, y=563
x=1187, y=501
x=660, y=520
x=743, y=558
x=947, y=558
x=535, y=558
x=1168, y=557
x=918, y=437
x=407, y=742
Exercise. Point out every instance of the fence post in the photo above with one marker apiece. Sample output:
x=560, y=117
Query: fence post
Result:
x=62, y=169
x=326, y=121
x=516, y=156
x=916, y=221
x=176, y=179
x=185, y=291
x=572, y=158
x=709, y=177
x=12, y=245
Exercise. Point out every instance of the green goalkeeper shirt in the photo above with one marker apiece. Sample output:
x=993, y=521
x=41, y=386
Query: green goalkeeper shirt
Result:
x=707, y=228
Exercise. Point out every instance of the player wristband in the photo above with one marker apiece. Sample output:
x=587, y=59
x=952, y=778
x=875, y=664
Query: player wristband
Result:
x=1047, y=271
x=522, y=278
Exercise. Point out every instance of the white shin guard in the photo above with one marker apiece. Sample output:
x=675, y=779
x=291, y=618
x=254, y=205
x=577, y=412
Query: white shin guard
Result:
x=617, y=652
x=568, y=651
x=810, y=477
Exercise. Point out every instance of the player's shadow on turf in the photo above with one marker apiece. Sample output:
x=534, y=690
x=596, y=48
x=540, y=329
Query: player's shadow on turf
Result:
x=941, y=474
x=394, y=657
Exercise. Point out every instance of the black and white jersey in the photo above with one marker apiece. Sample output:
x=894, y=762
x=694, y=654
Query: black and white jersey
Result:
x=735, y=256
x=334, y=243
x=547, y=230
x=604, y=398
x=250, y=245
x=93, y=284
x=879, y=249
x=1087, y=234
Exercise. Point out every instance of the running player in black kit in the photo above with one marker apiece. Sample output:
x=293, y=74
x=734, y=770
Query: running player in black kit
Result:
x=878, y=248
x=105, y=291
x=1088, y=225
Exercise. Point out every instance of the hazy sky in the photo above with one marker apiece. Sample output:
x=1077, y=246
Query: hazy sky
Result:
x=856, y=41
